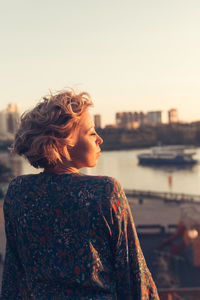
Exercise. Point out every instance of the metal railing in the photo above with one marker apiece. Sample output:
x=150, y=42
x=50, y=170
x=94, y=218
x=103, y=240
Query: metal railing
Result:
x=176, y=197
x=179, y=293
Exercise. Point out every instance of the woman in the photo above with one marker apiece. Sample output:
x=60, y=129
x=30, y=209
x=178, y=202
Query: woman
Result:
x=69, y=235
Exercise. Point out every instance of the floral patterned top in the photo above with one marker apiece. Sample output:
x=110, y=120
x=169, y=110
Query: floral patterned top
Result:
x=72, y=236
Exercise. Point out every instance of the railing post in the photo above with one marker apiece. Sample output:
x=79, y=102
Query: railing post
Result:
x=169, y=296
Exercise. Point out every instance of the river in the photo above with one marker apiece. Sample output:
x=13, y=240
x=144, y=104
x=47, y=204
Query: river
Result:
x=123, y=165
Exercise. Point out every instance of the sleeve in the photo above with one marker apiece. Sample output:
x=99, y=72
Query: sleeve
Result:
x=133, y=278
x=12, y=272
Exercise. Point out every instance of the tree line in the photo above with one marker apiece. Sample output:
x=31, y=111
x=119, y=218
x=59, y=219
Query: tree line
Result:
x=120, y=138
x=176, y=134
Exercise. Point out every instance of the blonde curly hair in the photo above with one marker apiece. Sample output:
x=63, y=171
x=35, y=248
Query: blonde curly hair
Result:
x=45, y=132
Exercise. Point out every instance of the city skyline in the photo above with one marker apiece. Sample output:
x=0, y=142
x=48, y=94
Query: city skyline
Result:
x=142, y=118
x=129, y=55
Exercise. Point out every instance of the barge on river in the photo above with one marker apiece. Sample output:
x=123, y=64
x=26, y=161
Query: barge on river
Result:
x=168, y=155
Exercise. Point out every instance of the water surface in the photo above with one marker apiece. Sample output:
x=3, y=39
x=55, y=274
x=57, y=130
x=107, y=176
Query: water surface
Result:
x=123, y=165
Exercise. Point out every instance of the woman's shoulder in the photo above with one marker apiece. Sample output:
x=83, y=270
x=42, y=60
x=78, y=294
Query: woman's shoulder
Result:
x=112, y=194
x=104, y=184
x=14, y=191
x=102, y=180
x=18, y=180
x=21, y=183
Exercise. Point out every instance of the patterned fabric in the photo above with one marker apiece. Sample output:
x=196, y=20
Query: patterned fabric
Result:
x=72, y=236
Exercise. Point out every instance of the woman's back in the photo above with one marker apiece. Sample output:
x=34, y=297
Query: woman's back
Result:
x=58, y=235
x=67, y=233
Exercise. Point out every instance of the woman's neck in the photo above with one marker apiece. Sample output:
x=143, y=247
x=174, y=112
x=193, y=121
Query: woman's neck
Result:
x=61, y=169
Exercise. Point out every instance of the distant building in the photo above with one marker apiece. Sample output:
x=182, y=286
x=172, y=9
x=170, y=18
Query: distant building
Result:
x=120, y=119
x=172, y=116
x=123, y=119
x=12, y=117
x=140, y=118
x=127, y=120
x=133, y=120
x=155, y=118
x=97, y=121
x=9, y=119
x=3, y=122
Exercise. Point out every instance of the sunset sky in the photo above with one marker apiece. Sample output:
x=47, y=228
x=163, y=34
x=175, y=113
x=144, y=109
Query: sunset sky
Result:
x=129, y=55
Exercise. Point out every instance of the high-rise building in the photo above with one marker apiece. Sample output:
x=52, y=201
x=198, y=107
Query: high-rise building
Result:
x=97, y=121
x=3, y=122
x=12, y=117
x=172, y=116
x=9, y=119
x=139, y=117
x=125, y=120
x=155, y=117
x=133, y=120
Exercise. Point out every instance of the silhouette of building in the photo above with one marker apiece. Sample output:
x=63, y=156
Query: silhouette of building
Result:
x=155, y=118
x=133, y=120
x=97, y=121
x=140, y=117
x=172, y=116
x=123, y=119
x=127, y=120
x=12, y=117
x=3, y=122
x=9, y=119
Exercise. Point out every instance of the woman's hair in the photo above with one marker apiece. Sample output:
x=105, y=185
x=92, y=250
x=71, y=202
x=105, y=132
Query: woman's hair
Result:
x=46, y=131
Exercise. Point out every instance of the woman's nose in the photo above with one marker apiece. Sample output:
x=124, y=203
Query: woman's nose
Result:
x=99, y=140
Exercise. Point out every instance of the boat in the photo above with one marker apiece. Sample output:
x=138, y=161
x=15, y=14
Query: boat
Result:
x=168, y=155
